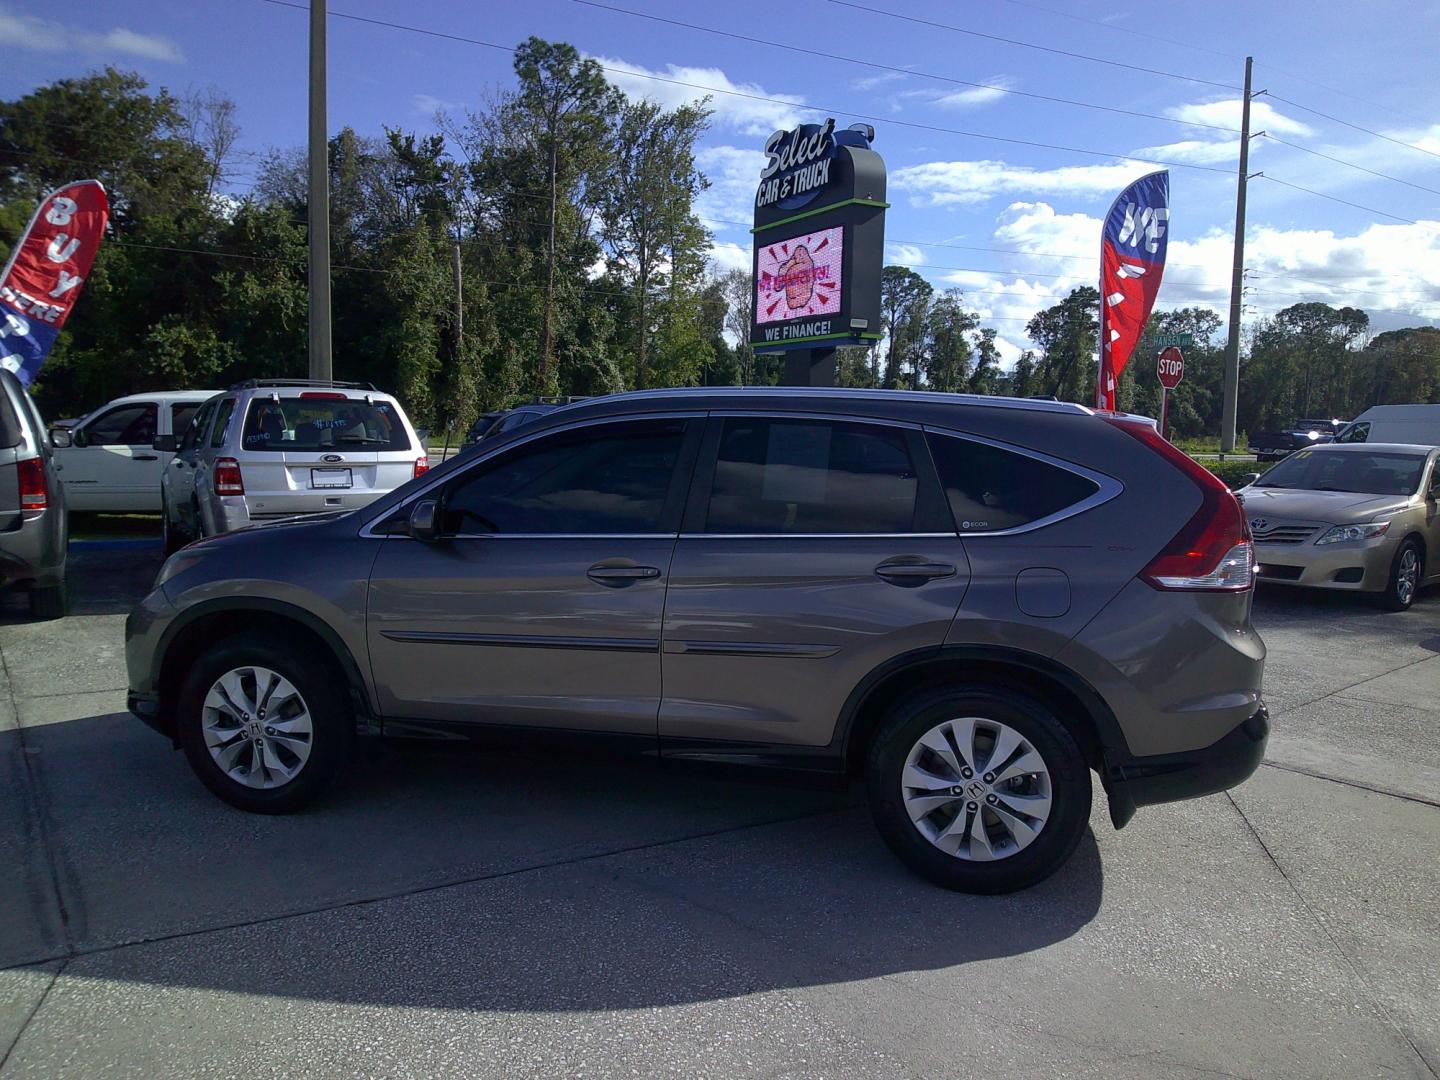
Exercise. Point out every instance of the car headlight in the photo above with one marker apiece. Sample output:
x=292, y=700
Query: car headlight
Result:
x=1342, y=534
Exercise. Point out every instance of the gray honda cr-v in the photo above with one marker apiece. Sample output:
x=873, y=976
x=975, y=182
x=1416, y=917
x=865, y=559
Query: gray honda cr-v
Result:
x=969, y=602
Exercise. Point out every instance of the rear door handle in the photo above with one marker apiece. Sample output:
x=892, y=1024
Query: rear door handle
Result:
x=620, y=575
x=912, y=574
x=145, y=457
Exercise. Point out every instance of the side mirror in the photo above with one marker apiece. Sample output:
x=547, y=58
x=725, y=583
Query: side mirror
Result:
x=424, y=521
x=60, y=437
x=167, y=443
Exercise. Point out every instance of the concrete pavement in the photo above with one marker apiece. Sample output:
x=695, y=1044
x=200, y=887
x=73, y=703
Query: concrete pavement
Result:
x=491, y=915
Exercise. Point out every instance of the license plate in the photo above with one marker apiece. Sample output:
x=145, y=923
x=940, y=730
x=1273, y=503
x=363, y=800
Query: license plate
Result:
x=329, y=478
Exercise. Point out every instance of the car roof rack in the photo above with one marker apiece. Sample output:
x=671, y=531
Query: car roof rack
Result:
x=255, y=384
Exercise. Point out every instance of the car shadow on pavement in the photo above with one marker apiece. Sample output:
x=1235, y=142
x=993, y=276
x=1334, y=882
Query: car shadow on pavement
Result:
x=474, y=880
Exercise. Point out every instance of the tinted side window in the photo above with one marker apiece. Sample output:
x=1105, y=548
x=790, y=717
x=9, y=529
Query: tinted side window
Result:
x=129, y=425
x=217, y=436
x=11, y=431
x=196, y=430
x=181, y=414
x=990, y=489
x=811, y=476
x=1355, y=433
x=613, y=479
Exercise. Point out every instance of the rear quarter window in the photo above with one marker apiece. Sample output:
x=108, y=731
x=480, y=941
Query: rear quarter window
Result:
x=991, y=489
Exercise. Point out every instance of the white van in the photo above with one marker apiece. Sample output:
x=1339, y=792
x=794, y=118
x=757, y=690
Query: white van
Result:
x=1418, y=425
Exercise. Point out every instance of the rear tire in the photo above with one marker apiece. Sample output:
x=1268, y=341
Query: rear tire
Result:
x=51, y=602
x=960, y=839
x=1407, y=571
x=173, y=540
x=265, y=764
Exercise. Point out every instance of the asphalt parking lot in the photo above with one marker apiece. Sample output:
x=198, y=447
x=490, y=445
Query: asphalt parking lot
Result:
x=473, y=914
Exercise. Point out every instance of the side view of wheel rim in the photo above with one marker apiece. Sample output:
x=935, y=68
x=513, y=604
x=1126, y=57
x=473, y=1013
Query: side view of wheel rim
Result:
x=257, y=727
x=976, y=789
x=1407, y=575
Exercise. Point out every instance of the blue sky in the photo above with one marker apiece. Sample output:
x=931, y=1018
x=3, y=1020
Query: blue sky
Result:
x=1015, y=226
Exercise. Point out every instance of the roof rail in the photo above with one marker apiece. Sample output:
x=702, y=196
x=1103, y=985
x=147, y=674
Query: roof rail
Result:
x=253, y=384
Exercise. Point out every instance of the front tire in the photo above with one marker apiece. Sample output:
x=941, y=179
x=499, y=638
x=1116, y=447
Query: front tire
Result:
x=1407, y=570
x=978, y=788
x=51, y=602
x=265, y=723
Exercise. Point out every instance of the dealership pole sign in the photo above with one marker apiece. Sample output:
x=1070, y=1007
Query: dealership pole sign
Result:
x=819, y=241
x=47, y=267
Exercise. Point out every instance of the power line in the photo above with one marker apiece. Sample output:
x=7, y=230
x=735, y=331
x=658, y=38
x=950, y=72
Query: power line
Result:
x=821, y=109
x=1113, y=28
x=1032, y=45
x=1331, y=89
x=901, y=70
x=1337, y=120
x=1343, y=202
x=1350, y=164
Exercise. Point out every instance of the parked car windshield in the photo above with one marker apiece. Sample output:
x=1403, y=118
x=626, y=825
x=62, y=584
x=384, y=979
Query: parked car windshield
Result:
x=317, y=423
x=1374, y=473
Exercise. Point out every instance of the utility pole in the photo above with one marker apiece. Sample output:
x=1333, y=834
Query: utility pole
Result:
x=1237, y=280
x=319, y=201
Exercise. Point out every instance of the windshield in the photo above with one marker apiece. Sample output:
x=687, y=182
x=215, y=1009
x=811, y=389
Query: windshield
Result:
x=309, y=422
x=1373, y=473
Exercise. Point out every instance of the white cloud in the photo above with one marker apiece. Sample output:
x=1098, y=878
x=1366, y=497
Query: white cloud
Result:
x=870, y=82
x=734, y=173
x=48, y=35
x=677, y=85
x=968, y=98
x=1200, y=151
x=429, y=105
x=908, y=254
x=1390, y=271
x=1226, y=113
x=727, y=256
x=952, y=183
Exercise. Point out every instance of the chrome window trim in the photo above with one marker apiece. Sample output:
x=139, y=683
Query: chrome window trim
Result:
x=367, y=533
x=821, y=536
x=1107, y=486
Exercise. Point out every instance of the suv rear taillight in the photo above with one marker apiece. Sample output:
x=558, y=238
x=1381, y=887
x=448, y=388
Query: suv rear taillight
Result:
x=228, y=480
x=422, y=464
x=1212, y=553
x=34, y=491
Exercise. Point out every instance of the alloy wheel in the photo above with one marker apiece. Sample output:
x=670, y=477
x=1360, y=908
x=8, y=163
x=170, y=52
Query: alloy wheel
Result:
x=257, y=727
x=977, y=789
x=1407, y=575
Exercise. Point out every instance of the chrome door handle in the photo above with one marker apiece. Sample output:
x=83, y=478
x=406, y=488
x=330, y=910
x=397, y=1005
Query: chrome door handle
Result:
x=620, y=575
x=912, y=574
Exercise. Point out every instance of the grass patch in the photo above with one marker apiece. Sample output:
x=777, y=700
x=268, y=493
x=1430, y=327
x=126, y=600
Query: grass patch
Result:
x=1235, y=473
x=91, y=526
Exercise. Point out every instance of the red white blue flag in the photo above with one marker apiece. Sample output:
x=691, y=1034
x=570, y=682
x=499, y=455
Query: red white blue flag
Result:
x=45, y=272
x=1132, y=260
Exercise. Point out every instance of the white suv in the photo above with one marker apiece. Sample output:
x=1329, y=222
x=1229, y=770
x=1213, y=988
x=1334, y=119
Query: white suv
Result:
x=267, y=449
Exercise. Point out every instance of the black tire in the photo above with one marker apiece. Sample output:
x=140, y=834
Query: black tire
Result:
x=51, y=602
x=321, y=687
x=173, y=540
x=1396, y=597
x=1069, y=813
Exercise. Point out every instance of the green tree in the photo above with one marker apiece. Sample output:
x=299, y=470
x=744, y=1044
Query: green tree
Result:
x=904, y=302
x=948, y=354
x=1066, y=335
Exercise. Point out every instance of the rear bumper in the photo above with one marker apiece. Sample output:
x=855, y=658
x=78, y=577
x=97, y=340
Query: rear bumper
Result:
x=1144, y=781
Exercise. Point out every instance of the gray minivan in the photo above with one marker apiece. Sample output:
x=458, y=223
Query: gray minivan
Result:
x=34, y=531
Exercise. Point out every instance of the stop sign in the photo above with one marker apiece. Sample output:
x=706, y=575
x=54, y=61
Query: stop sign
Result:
x=1170, y=366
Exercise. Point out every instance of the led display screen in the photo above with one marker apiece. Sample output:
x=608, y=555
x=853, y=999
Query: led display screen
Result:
x=799, y=277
